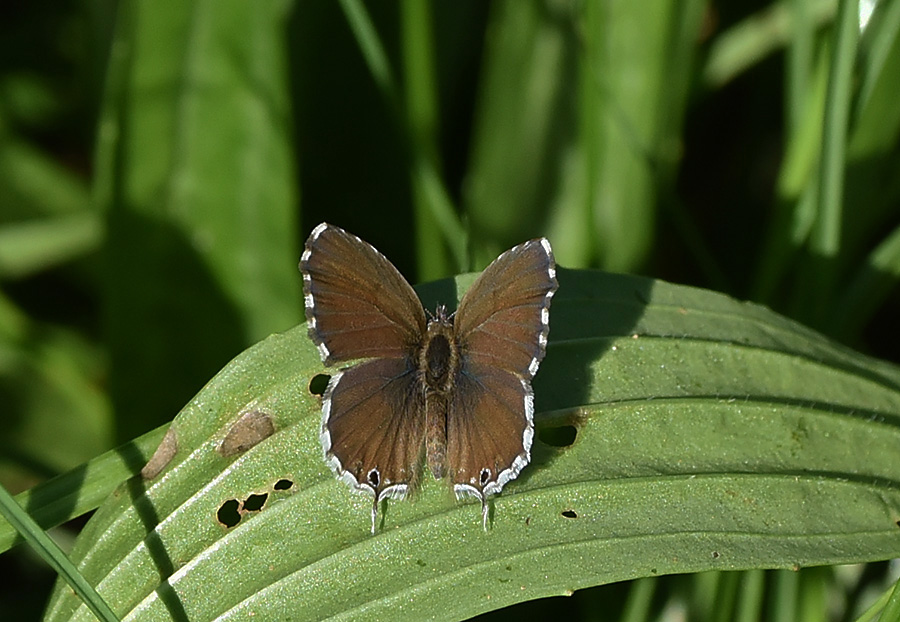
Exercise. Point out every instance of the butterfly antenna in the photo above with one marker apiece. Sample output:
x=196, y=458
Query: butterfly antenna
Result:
x=484, y=513
x=374, y=513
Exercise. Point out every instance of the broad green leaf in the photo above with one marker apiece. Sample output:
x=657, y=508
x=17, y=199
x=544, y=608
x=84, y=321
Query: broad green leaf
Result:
x=678, y=430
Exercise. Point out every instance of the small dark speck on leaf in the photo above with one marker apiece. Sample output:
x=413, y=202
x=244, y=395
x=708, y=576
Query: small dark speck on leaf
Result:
x=283, y=484
x=569, y=514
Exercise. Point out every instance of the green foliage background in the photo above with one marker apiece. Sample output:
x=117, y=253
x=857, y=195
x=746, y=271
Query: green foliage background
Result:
x=162, y=162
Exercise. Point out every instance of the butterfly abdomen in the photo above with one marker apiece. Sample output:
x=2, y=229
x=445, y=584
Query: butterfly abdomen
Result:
x=438, y=363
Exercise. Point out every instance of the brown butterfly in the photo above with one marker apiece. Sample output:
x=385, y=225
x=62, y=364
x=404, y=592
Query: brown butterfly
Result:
x=452, y=390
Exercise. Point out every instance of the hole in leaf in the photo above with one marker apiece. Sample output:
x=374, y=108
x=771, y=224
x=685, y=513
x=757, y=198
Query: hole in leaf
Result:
x=254, y=503
x=228, y=513
x=318, y=384
x=558, y=436
x=283, y=484
x=715, y=555
x=569, y=514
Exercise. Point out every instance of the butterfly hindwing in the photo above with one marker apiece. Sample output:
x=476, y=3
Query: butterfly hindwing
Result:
x=373, y=427
x=489, y=430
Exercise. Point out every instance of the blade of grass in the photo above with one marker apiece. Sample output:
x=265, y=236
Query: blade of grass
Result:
x=868, y=287
x=783, y=607
x=878, y=48
x=752, y=39
x=797, y=189
x=522, y=158
x=891, y=611
x=34, y=185
x=750, y=598
x=872, y=188
x=825, y=239
x=634, y=78
x=813, y=595
x=420, y=97
x=38, y=244
x=726, y=595
x=84, y=488
x=427, y=184
x=53, y=555
x=640, y=597
x=704, y=589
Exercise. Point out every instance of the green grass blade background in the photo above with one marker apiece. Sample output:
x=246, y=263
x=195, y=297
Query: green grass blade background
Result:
x=709, y=434
x=576, y=127
x=196, y=174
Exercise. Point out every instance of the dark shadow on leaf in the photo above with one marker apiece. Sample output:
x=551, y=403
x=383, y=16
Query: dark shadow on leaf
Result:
x=171, y=326
x=598, y=308
x=156, y=548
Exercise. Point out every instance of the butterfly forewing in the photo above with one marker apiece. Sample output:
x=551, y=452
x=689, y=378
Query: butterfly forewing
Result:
x=503, y=319
x=357, y=304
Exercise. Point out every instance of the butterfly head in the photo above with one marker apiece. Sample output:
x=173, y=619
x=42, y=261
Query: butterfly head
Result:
x=440, y=315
